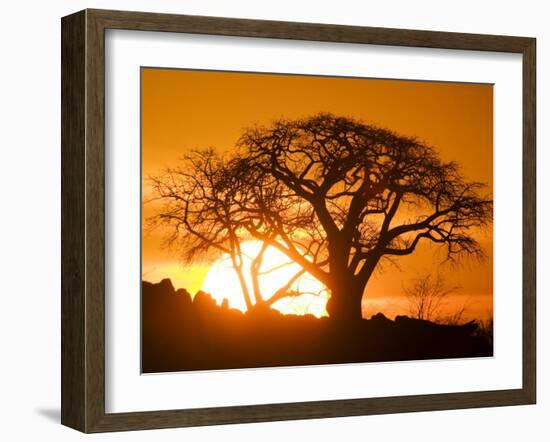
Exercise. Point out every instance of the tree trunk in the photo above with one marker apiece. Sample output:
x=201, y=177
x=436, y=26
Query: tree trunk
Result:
x=237, y=266
x=255, y=266
x=345, y=302
x=346, y=289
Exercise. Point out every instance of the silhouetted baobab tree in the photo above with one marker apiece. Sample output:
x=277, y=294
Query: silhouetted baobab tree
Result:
x=336, y=196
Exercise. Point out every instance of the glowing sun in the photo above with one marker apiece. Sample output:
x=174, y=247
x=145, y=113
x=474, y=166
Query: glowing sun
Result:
x=277, y=269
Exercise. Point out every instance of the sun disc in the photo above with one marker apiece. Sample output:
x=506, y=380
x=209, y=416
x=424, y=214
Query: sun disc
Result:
x=277, y=269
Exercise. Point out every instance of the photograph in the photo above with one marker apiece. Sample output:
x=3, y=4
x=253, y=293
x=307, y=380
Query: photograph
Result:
x=297, y=220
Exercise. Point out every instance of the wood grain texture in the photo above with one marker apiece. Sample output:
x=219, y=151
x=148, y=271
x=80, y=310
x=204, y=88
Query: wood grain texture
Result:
x=144, y=21
x=83, y=218
x=529, y=220
x=73, y=128
x=95, y=222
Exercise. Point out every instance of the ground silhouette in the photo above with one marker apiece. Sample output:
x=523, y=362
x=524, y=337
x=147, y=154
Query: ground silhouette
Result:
x=180, y=333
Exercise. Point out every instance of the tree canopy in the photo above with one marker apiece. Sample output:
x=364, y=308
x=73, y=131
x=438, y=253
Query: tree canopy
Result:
x=334, y=194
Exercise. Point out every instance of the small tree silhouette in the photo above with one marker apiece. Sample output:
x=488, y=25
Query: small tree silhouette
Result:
x=332, y=193
x=428, y=297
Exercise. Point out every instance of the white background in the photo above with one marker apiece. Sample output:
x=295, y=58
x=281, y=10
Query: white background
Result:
x=128, y=391
x=30, y=221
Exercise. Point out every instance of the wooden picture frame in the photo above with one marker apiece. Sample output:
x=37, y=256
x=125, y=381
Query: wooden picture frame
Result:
x=83, y=220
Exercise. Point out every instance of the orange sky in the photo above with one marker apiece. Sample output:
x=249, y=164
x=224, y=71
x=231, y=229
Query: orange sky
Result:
x=184, y=109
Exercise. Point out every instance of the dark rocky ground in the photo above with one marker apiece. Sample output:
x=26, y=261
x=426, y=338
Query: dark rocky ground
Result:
x=180, y=333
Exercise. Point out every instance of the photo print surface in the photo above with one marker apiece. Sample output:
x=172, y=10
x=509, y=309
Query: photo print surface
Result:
x=294, y=220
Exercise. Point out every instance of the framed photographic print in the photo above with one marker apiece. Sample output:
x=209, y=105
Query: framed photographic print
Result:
x=269, y=220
